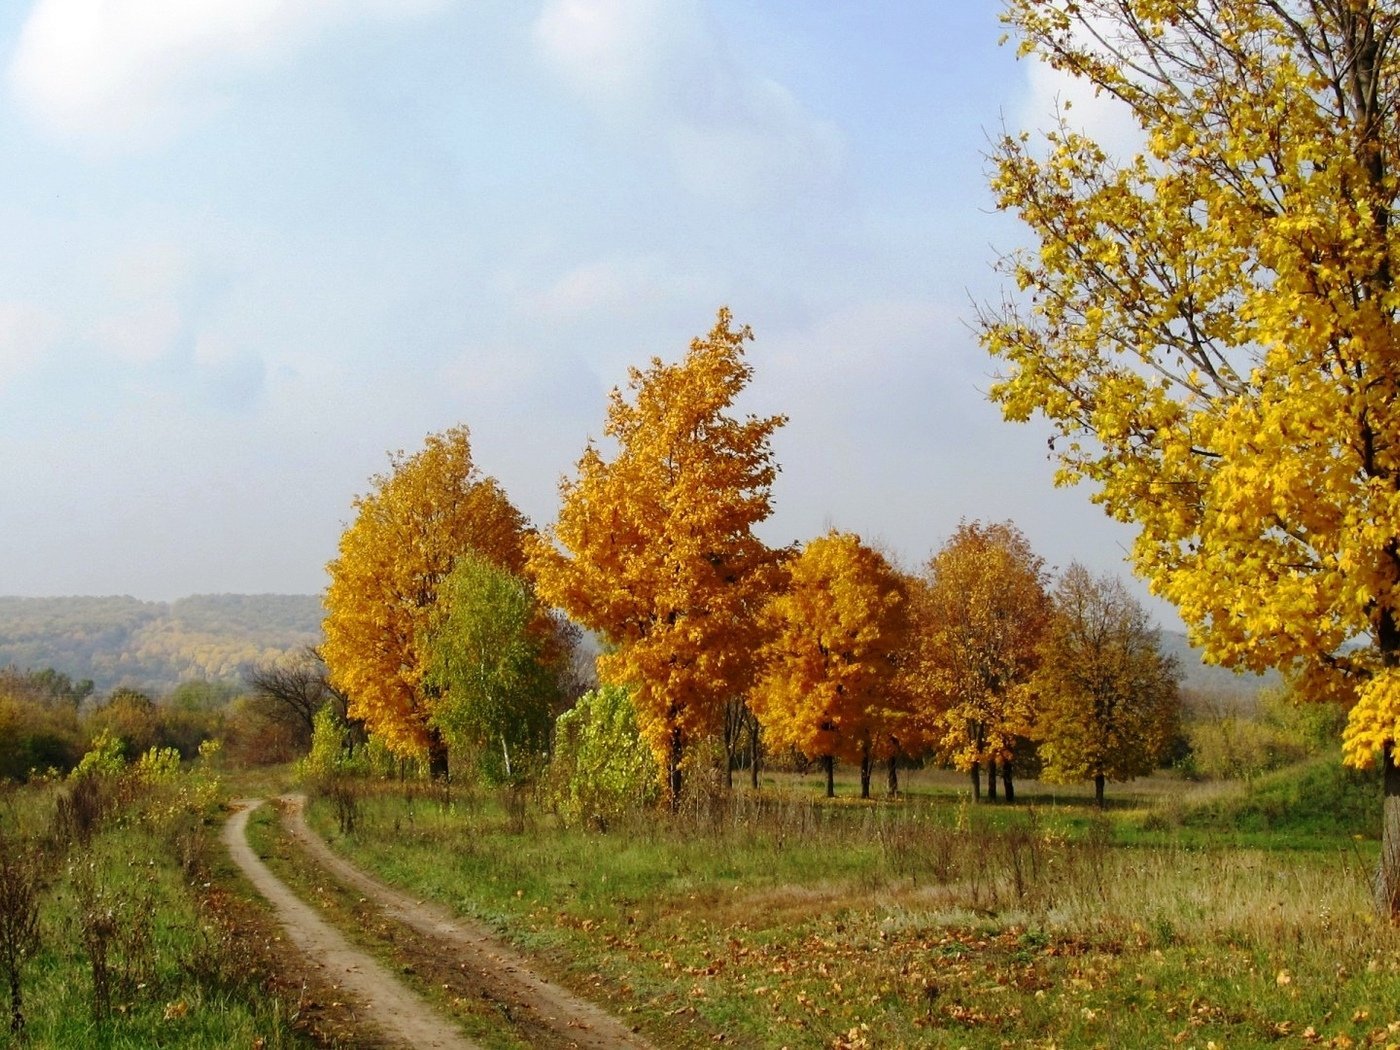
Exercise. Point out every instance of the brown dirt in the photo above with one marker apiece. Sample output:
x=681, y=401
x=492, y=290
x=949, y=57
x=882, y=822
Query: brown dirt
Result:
x=390, y=1010
x=448, y=949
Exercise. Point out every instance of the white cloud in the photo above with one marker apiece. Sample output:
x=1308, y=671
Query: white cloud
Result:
x=1052, y=95
x=658, y=70
x=135, y=70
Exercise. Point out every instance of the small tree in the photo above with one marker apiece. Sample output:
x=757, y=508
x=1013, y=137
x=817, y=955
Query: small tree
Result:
x=290, y=690
x=980, y=614
x=489, y=665
x=828, y=679
x=1107, y=697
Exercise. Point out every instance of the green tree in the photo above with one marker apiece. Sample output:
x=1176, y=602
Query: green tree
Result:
x=1107, y=706
x=601, y=768
x=489, y=665
x=1210, y=323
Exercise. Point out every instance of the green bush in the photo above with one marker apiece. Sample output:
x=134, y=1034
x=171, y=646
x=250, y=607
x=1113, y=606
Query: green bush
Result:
x=601, y=768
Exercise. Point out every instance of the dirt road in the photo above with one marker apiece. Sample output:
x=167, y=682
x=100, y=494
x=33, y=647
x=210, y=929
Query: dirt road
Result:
x=391, y=1009
x=542, y=1013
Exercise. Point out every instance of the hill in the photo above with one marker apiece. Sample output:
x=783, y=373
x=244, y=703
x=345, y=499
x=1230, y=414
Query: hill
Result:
x=154, y=646
x=1206, y=679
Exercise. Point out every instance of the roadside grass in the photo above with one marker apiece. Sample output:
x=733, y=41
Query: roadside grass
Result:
x=779, y=919
x=138, y=944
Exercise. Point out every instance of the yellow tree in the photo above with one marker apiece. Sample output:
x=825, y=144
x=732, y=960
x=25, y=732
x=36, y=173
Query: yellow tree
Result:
x=1107, y=701
x=1210, y=323
x=407, y=534
x=655, y=549
x=980, y=617
x=834, y=632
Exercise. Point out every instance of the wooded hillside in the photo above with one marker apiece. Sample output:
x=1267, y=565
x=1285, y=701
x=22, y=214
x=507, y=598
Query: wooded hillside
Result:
x=154, y=646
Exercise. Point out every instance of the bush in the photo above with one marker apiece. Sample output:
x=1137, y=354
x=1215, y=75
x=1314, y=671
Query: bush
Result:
x=601, y=767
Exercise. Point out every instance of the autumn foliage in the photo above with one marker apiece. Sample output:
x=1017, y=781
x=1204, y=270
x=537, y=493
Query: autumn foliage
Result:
x=1210, y=323
x=407, y=534
x=654, y=548
x=1106, y=696
x=981, y=613
x=835, y=631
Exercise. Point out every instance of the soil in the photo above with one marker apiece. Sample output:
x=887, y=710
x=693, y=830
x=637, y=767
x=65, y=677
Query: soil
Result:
x=540, y=1012
x=394, y=1015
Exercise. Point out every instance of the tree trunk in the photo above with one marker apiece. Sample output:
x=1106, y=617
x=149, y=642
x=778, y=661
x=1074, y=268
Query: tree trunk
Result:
x=1008, y=782
x=991, y=780
x=754, y=749
x=829, y=761
x=894, y=776
x=976, y=772
x=437, y=755
x=673, y=771
x=1387, y=881
x=867, y=766
x=1098, y=790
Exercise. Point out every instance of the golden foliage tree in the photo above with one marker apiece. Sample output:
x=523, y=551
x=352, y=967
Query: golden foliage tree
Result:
x=834, y=631
x=980, y=616
x=1210, y=323
x=654, y=549
x=1107, y=701
x=407, y=534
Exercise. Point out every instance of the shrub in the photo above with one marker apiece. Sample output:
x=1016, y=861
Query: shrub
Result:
x=601, y=767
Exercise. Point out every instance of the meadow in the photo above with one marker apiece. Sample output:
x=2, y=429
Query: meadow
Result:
x=1227, y=915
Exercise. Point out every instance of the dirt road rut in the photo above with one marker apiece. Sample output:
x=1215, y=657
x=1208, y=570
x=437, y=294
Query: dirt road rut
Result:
x=395, y=1012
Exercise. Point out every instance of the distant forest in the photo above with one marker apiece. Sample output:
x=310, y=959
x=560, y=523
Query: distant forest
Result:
x=154, y=646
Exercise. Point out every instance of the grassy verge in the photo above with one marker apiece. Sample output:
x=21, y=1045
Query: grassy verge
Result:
x=777, y=920
x=137, y=942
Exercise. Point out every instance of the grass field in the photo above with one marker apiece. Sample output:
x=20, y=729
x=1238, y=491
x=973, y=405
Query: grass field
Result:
x=139, y=941
x=1238, y=917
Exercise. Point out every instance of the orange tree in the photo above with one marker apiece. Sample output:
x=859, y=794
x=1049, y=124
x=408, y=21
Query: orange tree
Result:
x=407, y=534
x=1107, y=701
x=833, y=633
x=980, y=616
x=1210, y=322
x=654, y=549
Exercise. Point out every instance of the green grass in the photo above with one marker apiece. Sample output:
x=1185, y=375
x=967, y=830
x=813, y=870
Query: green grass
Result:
x=184, y=969
x=789, y=921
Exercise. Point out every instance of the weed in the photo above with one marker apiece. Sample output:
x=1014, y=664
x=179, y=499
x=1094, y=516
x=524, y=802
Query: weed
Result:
x=20, y=866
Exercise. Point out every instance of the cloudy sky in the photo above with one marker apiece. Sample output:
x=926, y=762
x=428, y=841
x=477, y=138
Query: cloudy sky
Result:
x=250, y=245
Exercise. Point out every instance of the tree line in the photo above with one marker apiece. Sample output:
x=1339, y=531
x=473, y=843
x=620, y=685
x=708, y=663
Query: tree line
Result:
x=450, y=621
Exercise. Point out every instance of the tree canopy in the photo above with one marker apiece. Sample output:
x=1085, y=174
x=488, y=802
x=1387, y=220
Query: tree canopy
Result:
x=1210, y=324
x=1106, y=695
x=654, y=549
x=980, y=614
x=830, y=662
x=489, y=665
x=408, y=532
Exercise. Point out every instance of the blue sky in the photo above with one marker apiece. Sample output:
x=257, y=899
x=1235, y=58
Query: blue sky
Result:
x=254, y=244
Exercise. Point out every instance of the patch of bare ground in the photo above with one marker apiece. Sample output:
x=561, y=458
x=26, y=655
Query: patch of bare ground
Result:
x=318, y=1008
x=386, y=1014
x=466, y=962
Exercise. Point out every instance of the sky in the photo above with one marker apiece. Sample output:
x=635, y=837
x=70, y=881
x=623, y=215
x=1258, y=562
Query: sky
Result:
x=253, y=245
